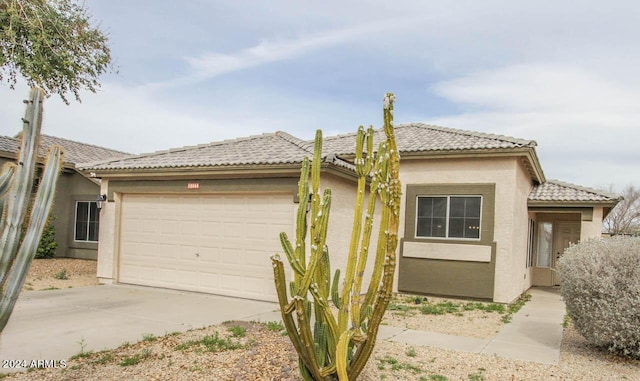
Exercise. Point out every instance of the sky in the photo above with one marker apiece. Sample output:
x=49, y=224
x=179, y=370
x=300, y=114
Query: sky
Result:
x=565, y=74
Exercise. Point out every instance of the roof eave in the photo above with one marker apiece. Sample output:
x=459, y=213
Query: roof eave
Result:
x=527, y=153
x=226, y=171
x=569, y=204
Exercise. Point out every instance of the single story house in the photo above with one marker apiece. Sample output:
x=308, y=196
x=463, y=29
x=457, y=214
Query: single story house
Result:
x=75, y=212
x=479, y=218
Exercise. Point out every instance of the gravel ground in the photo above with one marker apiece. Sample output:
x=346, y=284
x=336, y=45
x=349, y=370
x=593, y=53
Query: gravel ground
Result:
x=43, y=272
x=268, y=355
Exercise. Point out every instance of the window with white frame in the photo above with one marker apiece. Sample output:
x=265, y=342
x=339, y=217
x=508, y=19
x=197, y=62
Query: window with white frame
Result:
x=456, y=217
x=87, y=221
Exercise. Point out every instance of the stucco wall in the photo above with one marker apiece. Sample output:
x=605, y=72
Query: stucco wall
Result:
x=108, y=238
x=510, y=208
x=516, y=277
x=72, y=187
x=593, y=228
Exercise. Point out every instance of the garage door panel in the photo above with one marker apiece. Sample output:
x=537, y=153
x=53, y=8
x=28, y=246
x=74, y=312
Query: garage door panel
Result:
x=232, y=235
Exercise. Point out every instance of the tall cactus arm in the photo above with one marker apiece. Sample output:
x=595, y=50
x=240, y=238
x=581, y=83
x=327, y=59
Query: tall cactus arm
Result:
x=391, y=233
x=366, y=235
x=301, y=220
x=40, y=212
x=19, y=195
x=342, y=354
x=378, y=185
x=361, y=166
x=317, y=244
x=6, y=177
x=286, y=312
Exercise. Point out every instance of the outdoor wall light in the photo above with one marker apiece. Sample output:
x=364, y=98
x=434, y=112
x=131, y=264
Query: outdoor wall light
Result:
x=102, y=198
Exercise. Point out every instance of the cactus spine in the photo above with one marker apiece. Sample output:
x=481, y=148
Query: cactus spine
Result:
x=16, y=182
x=335, y=349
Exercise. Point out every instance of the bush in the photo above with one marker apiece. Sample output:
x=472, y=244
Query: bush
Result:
x=48, y=245
x=601, y=288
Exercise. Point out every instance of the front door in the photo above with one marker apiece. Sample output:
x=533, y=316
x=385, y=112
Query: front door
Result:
x=567, y=233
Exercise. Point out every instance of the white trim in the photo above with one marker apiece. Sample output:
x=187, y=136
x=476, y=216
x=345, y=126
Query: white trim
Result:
x=447, y=251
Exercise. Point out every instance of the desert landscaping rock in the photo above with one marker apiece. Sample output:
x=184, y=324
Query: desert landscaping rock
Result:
x=42, y=274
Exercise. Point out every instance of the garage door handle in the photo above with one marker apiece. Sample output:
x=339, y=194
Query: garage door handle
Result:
x=197, y=255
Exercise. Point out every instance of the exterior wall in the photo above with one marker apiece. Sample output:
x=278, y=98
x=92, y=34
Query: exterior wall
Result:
x=511, y=190
x=593, y=228
x=516, y=277
x=108, y=239
x=72, y=187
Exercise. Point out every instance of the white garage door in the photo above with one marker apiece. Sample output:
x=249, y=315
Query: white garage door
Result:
x=218, y=244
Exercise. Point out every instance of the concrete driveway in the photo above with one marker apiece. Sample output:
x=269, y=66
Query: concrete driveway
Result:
x=56, y=324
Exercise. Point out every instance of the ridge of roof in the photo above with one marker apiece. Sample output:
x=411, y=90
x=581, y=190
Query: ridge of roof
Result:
x=304, y=144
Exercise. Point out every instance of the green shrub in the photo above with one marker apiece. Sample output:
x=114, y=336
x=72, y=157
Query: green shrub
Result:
x=48, y=245
x=62, y=275
x=601, y=288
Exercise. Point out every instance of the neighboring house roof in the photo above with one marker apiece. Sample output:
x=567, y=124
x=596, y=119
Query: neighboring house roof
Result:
x=9, y=145
x=558, y=192
x=74, y=152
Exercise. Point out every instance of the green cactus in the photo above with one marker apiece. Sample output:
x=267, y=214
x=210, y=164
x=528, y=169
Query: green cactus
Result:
x=16, y=255
x=338, y=348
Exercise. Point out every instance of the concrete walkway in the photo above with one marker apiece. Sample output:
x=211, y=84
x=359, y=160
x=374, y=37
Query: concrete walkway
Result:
x=534, y=333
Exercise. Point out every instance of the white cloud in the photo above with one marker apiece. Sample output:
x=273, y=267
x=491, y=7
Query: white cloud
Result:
x=587, y=126
x=212, y=64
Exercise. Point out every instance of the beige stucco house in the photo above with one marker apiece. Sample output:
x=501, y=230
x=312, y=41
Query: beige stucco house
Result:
x=479, y=218
x=75, y=212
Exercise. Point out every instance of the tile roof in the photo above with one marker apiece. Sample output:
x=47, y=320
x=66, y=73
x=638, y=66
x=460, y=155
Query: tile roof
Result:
x=74, y=152
x=420, y=137
x=275, y=148
x=9, y=144
x=558, y=191
x=281, y=148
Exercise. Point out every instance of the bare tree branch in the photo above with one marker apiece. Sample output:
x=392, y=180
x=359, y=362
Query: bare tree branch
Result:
x=625, y=217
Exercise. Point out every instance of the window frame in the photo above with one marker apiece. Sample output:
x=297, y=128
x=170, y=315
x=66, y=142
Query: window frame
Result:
x=447, y=216
x=88, y=222
x=548, y=254
x=531, y=242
